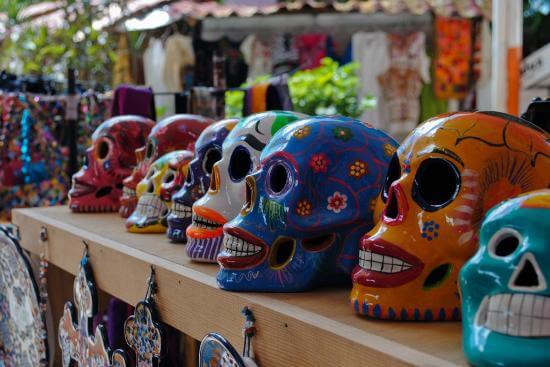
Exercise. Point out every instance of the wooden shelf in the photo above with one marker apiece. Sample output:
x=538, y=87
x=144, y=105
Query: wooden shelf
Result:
x=315, y=328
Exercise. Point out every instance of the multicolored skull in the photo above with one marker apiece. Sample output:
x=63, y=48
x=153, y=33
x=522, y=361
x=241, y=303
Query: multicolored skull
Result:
x=306, y=207
x=443, y=179
x=208, y=150
x=223, y=201
x=154, y=192
x=172, y=133
x=97, y=187
x=504, y=287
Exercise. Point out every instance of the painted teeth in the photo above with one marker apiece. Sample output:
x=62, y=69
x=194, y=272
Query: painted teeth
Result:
x=202, y=222
x=180, y=210
x=151, y=207
x=381, y=263
x=516, y=314
x=235, y=246
x=126, y=191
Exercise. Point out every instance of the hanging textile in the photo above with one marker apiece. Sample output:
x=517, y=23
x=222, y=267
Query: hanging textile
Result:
x=153, y=66
x=257, y=56
x=131, y=100
x=271, y=95
x=454, y=57
x=312, y=48
x=371, y=52
x=285, y=55
x=402, y=82
x=31, y=170
x=122, y=72
x=178, y=55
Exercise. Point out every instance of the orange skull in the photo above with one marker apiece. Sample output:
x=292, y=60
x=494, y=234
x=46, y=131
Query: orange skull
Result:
x=447, y=174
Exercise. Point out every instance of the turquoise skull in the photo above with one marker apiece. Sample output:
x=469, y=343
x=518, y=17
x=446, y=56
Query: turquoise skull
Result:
x=505, y=294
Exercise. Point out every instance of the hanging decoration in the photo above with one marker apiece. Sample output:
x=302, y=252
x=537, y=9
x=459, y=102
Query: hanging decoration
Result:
x=216, y=351
x=76, y=340
x=23, y=336
x=142, y=332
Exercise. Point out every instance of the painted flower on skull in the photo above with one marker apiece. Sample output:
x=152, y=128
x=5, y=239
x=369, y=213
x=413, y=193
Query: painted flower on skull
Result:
x=337, y=202
x=319, y=163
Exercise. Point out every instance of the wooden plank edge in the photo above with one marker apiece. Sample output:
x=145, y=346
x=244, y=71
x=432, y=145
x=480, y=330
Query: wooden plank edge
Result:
x=392, y=350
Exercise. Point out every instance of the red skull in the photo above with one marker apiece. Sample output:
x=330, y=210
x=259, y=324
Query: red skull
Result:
x=97, y=187
x=173, y=133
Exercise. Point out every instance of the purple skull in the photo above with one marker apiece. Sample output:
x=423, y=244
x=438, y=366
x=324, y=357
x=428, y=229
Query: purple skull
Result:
x=208, y=150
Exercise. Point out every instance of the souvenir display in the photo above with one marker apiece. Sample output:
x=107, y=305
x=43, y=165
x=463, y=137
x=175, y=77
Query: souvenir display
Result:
x=97, y=187
x=154, y=192
x=306, y=207
x=74, y=333
x=23, y=336
x=504, y=287
x=172, y=133
x=216, y=351
x=141, y=330
x=208, y=150
x=443, y=179
x=240, y=156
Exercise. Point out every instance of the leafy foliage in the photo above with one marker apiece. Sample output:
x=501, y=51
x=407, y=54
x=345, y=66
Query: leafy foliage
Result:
x=326, y=90
x=49, y=52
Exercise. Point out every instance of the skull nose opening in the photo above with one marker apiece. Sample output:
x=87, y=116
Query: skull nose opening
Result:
x=392, y=207
x=150, y=188
x=215, y=180
x=250, y=195
x=528, y=276
x=282, y=252
x=319, y=243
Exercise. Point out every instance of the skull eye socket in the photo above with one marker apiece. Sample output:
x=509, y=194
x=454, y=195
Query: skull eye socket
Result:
x=102, y=150
x=436, y=184
x=149, y=150
x=189, y=178
x=279, y=179
x=212, y=156
x=240, y=164
x=151, y=173
x=504, y=243
x=169, y=177
x=85, y=161
x=394, y=172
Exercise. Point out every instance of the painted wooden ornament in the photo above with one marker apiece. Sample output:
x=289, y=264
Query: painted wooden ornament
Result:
x=22, y=326
x=216, y=351
x=142, y=332
x=76, y=340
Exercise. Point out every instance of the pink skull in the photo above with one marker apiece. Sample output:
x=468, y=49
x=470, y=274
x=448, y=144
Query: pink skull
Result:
x=97, y=187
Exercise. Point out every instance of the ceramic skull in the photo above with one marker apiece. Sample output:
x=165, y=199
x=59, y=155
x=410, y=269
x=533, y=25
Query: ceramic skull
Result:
x=306, y=207
x=155, y=190
x=226, y=195
x=208, y=150
x=443, y=179
x=504, y=287
x=172, y=133
x=97, y=187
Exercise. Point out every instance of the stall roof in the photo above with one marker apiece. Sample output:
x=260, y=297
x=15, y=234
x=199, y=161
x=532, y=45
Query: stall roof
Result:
x=463, y=8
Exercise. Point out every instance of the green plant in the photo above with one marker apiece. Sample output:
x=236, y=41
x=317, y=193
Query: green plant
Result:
x=326, y=90
x=49, y=52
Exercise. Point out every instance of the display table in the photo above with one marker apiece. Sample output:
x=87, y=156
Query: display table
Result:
x=316, y=328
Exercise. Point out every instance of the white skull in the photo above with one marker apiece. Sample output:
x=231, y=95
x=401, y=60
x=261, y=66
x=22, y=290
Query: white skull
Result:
x=226, y=196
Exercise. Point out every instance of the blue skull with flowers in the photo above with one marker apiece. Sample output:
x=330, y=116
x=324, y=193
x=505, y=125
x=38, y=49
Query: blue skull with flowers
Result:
x=306, y=207
x=505, y=293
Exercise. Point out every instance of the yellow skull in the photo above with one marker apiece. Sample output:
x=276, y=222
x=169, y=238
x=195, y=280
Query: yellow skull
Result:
x=164, y=178
x=447, y=174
